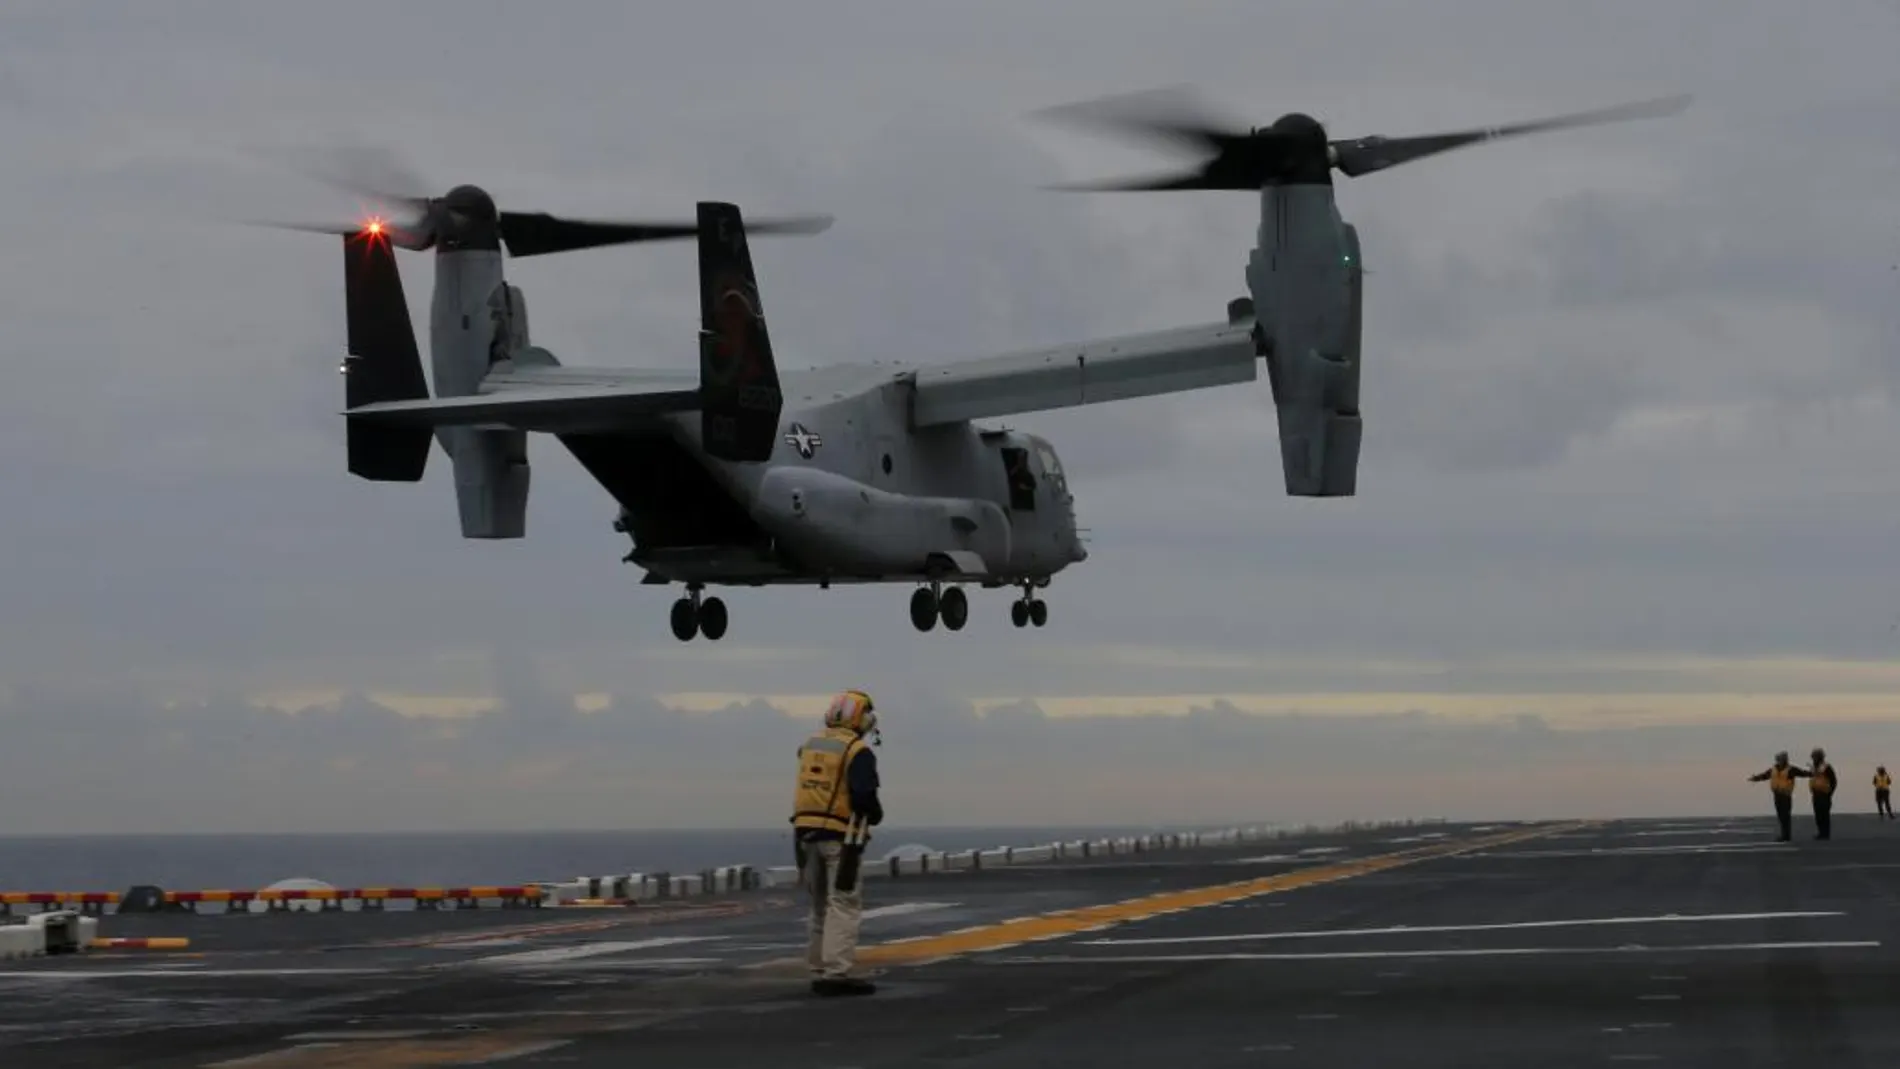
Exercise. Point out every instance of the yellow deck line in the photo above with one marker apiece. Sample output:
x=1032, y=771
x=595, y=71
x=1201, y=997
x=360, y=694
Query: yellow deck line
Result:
x=1067, y=922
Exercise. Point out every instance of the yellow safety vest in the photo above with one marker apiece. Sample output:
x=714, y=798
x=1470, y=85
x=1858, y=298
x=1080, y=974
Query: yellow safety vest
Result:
x=1822, y=772
x=1883, y=781
x=823, y=800
x=1781, y=780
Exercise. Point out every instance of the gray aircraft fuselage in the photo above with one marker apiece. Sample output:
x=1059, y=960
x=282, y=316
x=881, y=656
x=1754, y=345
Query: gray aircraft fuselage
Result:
x=852, y=494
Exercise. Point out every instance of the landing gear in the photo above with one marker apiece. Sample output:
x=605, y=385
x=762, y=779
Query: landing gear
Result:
x=955, y=606
x=1029, y=609
x=931, y=603
x=695, y=615
x=923, y=608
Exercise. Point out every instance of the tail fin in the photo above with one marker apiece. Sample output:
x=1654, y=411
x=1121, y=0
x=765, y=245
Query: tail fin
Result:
x=739, y=393
x=383, y=363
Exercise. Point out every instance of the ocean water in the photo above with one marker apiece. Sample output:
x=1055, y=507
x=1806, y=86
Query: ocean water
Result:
x=424, y=859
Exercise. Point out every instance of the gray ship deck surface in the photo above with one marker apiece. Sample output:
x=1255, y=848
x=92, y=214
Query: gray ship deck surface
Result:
x=1690, y=942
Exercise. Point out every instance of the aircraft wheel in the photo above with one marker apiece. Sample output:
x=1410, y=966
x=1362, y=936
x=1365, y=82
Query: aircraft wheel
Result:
x=1019, y=613
x=712, y=619
x=923, y=609
x=1038, y=612
x=955, y=606
x=685, y=620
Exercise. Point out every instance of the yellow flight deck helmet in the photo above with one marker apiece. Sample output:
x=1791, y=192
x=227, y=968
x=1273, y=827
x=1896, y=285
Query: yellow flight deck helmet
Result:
x=852, y=709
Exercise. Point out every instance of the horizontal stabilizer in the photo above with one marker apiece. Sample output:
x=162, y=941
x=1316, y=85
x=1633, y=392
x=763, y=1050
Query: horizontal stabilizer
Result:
x=1113, y=369
x=566, y=410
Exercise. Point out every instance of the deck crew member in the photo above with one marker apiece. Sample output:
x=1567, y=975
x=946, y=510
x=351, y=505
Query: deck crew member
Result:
x=1780, y=777
x=1883, y=792
x=837, y=789
x=1821, y=784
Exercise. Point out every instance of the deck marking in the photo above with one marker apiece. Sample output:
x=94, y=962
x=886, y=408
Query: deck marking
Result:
x=1068, y=922
x=1461, y=952
x=1427, y=929
x=521, y=1051
x=611, y=964
x=1696, y=848
x=899, y=909
x=175, y=974
x=332, y=1037
x=556, y=955
x=269, y=1057
x=398, y=1054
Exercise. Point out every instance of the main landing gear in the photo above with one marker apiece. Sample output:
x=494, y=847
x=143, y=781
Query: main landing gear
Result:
x=1029, y=609
x=692, y=615
x=932, y=602
x=951, y=605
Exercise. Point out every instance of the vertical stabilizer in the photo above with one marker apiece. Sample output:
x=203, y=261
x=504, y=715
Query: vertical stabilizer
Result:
x=382, y=364
x=740, y=399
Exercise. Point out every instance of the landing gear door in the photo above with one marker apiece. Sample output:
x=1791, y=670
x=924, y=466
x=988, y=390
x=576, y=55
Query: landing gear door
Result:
x=1019, y=471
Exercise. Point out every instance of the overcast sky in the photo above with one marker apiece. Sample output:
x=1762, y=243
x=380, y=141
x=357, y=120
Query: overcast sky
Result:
x=1629, y=461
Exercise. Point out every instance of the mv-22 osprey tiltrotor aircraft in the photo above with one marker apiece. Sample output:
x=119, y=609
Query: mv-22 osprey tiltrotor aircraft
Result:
x=746, y=474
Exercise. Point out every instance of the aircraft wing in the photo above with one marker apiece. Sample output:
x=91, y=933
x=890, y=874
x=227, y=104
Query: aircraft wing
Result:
x=554, y=400
x=1113, y=369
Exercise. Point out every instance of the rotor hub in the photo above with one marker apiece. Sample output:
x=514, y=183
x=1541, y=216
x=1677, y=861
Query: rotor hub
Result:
x=472, y=201
x=1301, y=126
x=465, y=218
x=1294, y=152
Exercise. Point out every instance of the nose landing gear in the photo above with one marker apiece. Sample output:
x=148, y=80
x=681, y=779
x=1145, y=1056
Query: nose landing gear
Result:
x=693, y=615
x=1029, y=609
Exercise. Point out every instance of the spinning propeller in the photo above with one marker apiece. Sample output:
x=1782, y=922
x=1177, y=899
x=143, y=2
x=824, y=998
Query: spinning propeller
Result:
x=466, y=217
x=1295, y=149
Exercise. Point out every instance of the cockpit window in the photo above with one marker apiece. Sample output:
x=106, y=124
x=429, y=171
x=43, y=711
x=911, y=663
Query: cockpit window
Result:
x=1050, y=465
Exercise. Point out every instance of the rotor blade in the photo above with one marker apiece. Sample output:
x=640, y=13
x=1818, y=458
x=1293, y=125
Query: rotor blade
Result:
x=374, y=172
x=1190, y=180
x=1172, y=114
x=1366, y=155
x=538, y=233
x=397, y=235
x=313, y=228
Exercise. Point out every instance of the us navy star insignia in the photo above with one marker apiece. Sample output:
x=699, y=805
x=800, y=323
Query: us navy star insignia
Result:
x=804, y=440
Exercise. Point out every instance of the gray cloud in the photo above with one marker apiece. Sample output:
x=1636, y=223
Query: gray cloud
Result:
x=1627, y=390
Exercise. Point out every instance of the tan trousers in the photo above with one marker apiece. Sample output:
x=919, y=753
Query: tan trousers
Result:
x=832, y=927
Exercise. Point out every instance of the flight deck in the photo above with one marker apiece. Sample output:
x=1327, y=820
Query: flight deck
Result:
x=1670, y=942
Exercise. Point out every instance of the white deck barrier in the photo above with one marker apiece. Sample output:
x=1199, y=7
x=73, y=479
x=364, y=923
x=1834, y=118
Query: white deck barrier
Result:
x=635, y=888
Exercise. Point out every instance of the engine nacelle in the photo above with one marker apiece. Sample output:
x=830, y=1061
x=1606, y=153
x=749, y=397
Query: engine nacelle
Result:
x=1305, y=279
x=478, y=320
x=834, y=524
